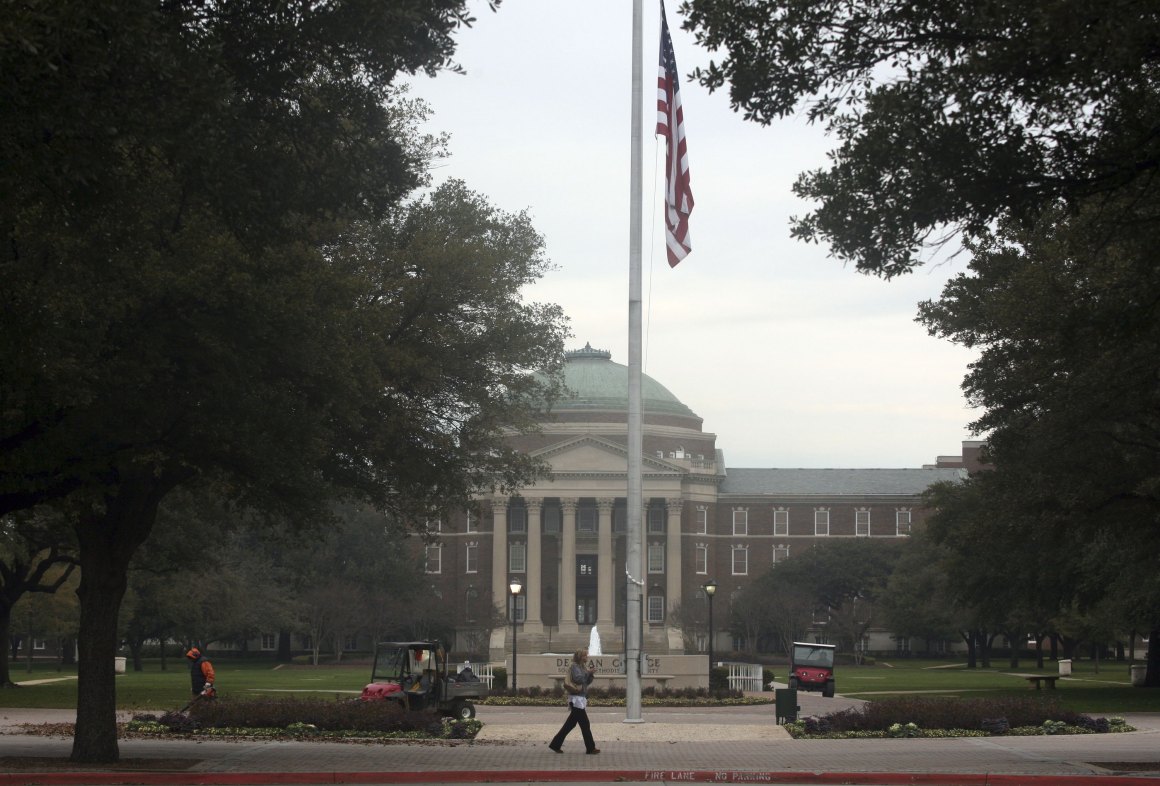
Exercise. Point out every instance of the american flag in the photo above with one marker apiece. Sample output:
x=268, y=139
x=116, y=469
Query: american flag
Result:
x=671, y=124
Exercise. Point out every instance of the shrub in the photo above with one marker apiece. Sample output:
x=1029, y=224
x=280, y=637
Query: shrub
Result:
x=935, y=713
x=994, y=726
x=499, y=678
x=281, y=713
x=719, y=678
x=1099, y=725
x=169, y=722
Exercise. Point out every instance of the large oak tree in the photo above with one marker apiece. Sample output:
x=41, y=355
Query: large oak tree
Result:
x=1067, y=320
x=947, y=115
x=209, y=276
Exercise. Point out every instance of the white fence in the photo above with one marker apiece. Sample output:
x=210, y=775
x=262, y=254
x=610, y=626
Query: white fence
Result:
x=744, y=676
x=482, y=670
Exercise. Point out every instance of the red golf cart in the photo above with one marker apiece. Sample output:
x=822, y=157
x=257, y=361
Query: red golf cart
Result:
x=811, y=667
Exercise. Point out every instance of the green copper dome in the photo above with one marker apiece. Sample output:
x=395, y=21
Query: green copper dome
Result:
x=594, y=382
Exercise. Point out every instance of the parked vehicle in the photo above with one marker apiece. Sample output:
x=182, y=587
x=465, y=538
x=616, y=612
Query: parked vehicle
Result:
x=415, y=674
x=811, y=667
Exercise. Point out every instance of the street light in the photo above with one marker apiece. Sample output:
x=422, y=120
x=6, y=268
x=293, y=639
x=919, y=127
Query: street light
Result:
x=515, y=586
x=710, y=588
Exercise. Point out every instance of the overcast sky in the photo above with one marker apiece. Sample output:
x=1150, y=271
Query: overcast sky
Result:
x=790, y=358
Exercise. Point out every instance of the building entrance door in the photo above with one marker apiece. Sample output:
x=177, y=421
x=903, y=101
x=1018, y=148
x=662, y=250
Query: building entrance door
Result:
x=586, y=589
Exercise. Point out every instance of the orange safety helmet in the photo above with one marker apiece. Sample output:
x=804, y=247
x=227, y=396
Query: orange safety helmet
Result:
x=193, y=654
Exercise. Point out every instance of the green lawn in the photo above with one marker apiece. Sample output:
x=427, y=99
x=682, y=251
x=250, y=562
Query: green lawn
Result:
x=156, y=690
x=1107, y=693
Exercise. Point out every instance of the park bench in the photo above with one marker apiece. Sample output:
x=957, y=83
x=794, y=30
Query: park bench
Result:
x=1035, y=679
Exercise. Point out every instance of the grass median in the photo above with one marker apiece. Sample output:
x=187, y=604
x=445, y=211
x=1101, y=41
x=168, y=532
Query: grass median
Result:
x=154, y=689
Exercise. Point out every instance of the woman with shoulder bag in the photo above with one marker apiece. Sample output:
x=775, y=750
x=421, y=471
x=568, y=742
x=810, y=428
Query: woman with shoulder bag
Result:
x=576, y=684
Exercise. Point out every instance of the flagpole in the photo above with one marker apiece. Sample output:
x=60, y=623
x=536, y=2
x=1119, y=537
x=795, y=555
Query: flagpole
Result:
x=634, y=568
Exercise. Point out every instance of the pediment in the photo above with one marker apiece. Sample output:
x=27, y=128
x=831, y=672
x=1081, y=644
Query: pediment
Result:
x=592, y=455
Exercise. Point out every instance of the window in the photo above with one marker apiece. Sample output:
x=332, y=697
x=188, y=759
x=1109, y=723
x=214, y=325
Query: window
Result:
x=521, y=607
x=781, y=522
x=862, y=523
x=702, y=559
x=551, y=519
x=902, y=646
x=656, y=558
x=434, y=525
x=472, y=522
x=349, y=643
x=517, y=557
x=780, y=553
x=586, y=520
x=471, y=560
x=740, y=560
x=656, y=608
x=741, y=522
x=586, y=611
x=619, y=519
x=702, y=521
x=434, y=559
x=517, y=519
x=902, y=523
x=470, y=603
x=656, y=521
x=269, y=641
x=821, y=522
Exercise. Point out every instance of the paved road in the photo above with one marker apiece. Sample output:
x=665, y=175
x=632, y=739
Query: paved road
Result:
x=728, y=745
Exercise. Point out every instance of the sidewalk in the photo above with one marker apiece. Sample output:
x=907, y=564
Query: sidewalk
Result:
x=721, y=746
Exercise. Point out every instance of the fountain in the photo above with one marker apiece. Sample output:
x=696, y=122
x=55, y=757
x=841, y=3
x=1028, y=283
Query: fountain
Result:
x=594, y=643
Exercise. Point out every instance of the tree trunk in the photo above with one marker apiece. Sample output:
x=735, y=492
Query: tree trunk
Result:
x=985, y=640
x=108, y=539
x=1039, y=651
x=1014, y=639
x=284, y=653
x=136, y=644
x=68, y=654
x=5, y=632
x=972, y=655
x=1152, y=675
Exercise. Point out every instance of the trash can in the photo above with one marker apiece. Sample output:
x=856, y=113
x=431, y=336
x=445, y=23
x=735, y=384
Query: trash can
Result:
x=1065, y=668
x=1139, y=673
x=785, y=704
x=118, y=665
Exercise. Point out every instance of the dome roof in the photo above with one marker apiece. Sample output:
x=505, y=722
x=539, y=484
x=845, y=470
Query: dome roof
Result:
x=594, y=382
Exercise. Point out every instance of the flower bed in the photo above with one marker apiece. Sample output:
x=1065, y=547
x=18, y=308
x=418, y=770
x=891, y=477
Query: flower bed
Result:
x=941, y=717
x=305, y=718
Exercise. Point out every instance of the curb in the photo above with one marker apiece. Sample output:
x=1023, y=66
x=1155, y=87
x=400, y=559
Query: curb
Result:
x=556, y=776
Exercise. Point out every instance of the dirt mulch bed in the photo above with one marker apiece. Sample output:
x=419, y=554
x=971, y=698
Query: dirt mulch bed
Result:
x=60, y=764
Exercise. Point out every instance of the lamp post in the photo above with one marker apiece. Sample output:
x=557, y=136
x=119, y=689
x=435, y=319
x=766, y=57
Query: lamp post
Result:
x=710, y=588
x=515, y=586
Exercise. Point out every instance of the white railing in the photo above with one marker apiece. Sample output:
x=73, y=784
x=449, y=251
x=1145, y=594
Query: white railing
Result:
x=483, y=670
x=744, y=676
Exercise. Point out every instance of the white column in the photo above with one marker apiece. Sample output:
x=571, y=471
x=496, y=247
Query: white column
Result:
x=673, y=566
x=535, y=578
x=499, y=543
x=568, y=566
x=604, y=591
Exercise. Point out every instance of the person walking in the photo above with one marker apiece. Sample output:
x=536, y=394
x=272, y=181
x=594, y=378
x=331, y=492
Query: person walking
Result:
x=200, y=674
x=576, y=684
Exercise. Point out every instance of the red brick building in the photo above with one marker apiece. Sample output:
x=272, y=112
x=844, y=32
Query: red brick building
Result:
x=564, y=537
